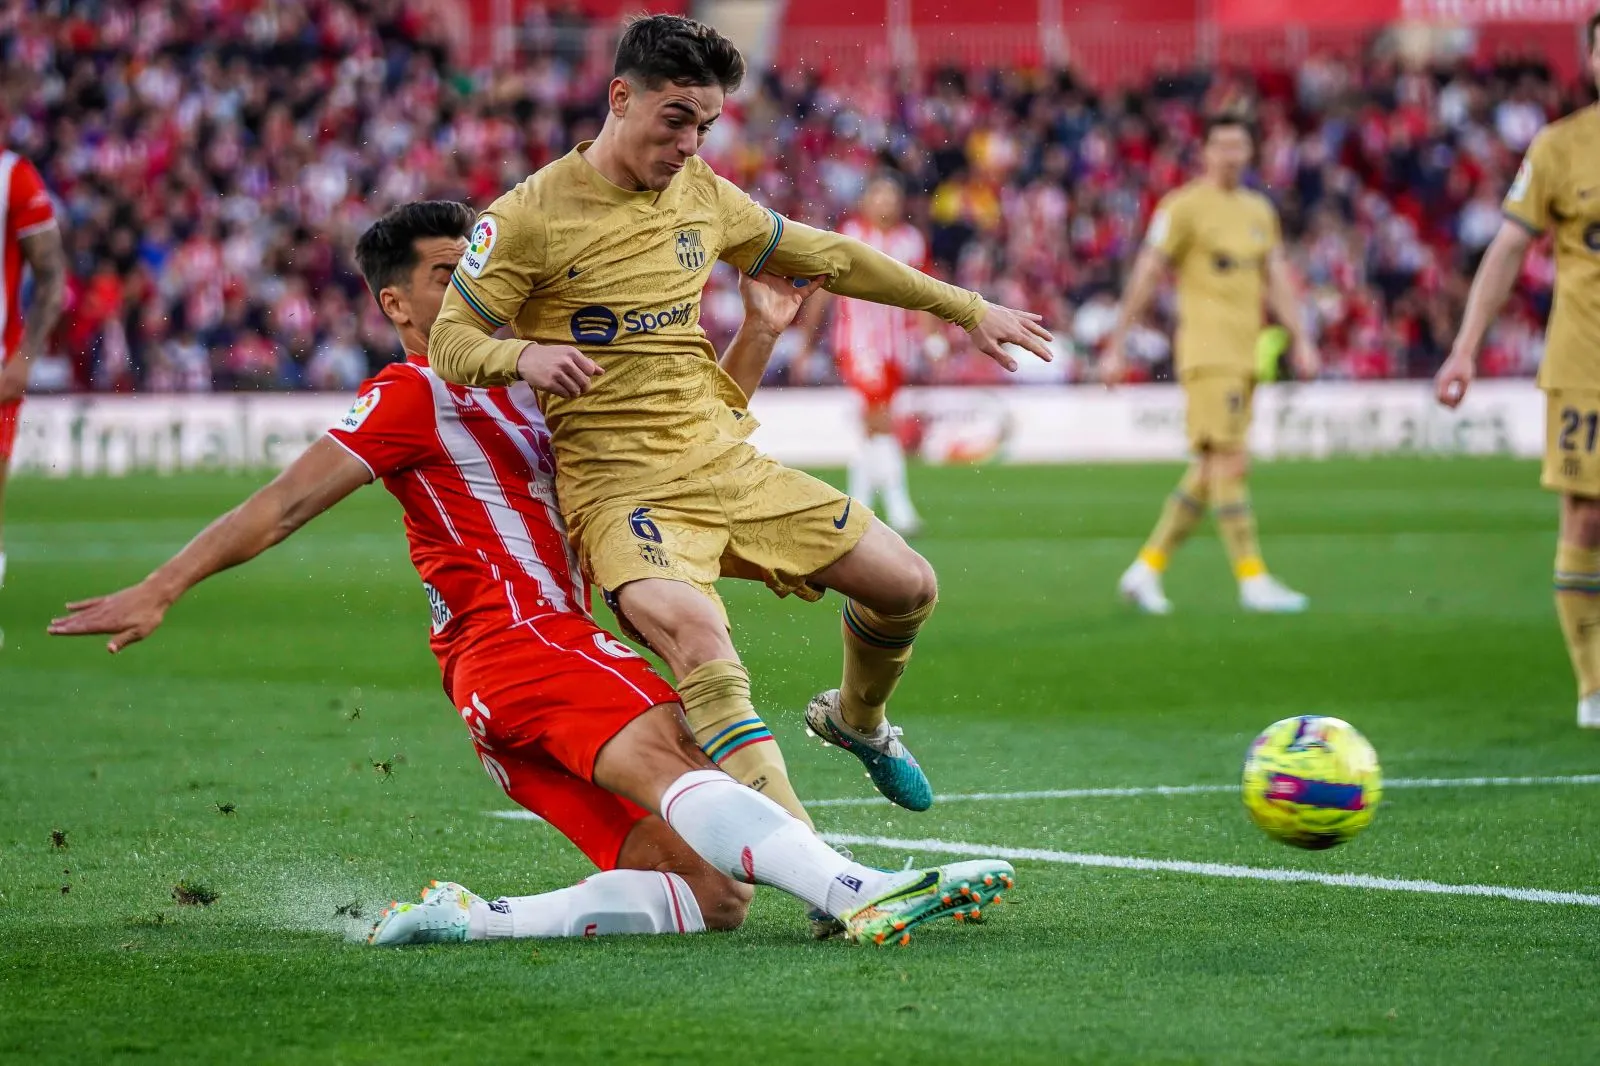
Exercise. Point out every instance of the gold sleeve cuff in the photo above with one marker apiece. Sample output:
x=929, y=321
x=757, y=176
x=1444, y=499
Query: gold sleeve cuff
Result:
x=461, y=352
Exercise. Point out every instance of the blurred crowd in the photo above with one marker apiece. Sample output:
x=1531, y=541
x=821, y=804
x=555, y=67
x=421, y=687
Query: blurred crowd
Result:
x=214, y=161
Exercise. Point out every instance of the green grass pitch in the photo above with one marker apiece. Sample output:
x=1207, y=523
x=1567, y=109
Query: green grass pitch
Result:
x=235, y=753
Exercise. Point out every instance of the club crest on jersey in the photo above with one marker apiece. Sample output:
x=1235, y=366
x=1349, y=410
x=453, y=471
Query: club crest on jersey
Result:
x=479, y=245
x=359, y=411
x=655, y=555
x=691, y=253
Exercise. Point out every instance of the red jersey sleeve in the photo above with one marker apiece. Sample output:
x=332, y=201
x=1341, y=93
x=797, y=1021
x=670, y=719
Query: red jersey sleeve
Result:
x=29, y=209
x=391, y=426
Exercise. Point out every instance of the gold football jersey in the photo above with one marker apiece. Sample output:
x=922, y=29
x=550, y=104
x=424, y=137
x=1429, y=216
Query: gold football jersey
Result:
x=1217, y=241
x=1558, y=190
x=569, y=258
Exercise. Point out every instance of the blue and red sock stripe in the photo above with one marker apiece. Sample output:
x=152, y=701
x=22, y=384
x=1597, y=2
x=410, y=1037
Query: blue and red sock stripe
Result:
x=1570, y=581
x=476, y=304
x=868, y=634
x=736, y=737
x=1183, y=499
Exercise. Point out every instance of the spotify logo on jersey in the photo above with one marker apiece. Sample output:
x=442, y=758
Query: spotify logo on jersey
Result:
x=594, y=325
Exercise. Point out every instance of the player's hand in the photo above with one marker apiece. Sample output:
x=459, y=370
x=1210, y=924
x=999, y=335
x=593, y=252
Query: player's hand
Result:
x=1306, y=359
x=129, y=616
x=557, y=368
x=1451, y=383
x=13, y=381
x=1001, y=326
x=1113, y=366
x=771, y=302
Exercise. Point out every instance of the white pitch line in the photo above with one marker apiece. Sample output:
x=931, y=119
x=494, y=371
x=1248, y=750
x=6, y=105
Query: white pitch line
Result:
x=1217, y=869
x=1196, y=790
x=1154, y=790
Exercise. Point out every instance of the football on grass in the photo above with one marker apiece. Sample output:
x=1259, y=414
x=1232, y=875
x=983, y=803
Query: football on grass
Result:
x=1311, y=781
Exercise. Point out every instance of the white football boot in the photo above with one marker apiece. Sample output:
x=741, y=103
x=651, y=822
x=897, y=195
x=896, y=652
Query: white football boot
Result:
x=443, y=916
x=1589, y=711
x=1265, y=594
x=1141, y=586
x=2, y=570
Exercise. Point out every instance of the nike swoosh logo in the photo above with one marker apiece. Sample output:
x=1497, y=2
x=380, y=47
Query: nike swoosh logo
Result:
x=838, y=523
x=1584, y=194
x=928, y=883
x=573, y=272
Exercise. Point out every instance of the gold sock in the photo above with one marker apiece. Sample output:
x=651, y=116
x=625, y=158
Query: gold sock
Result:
x=876, y=650
x=1183, y=511
x=716, y=700
x=1578, y=605
x=1236, y=522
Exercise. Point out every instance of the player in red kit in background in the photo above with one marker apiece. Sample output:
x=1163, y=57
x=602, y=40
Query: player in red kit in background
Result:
x=873, y=343
x=31, y=240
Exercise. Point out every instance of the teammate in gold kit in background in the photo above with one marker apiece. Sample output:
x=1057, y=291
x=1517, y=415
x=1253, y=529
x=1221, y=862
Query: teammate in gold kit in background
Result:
x=1222, y=241
x=597, y=262
x=1558, y=191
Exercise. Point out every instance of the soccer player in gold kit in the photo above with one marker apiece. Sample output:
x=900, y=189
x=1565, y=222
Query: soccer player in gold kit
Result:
x=597, y=263
x=1222, y=241
x=1557, y=191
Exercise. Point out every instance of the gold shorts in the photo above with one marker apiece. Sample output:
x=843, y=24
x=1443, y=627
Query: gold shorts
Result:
x=1571, y=437
x=1218, y=410
x=742, y=515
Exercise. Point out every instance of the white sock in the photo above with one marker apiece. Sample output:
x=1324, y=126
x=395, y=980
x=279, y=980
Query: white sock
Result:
x=604, y=904
x=752, y=839
x=859, y=482
x=2, y=570
x=891, y=476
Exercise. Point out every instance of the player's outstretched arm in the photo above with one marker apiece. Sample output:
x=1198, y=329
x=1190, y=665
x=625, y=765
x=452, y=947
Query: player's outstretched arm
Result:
x=1491, y=286
x=320, y=478
x=48, y=260
x=1148, y=270
x=1283, y=300
x=770, y=306
x=860, y=271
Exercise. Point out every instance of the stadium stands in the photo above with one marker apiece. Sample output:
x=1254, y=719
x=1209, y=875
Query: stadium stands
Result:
x=216, y=158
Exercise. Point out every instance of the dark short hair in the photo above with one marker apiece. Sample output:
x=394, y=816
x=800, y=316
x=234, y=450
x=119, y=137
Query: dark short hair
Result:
x=656, y=49
x=1593, y=29
x=1223, y=120
x=387, y=251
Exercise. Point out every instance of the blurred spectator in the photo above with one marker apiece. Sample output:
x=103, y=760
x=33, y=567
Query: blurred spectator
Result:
x=216, y=160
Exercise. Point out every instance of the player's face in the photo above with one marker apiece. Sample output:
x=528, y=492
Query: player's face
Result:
x=425, y=288
x=1227, y=154
x=662, y=128
x=882, y=203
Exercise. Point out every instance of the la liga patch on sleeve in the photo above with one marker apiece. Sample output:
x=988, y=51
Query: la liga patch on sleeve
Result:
x=479, y=245
x=361, y=410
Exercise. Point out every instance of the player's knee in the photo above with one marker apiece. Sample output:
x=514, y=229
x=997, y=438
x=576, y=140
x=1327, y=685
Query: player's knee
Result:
x=1231, y=464
x=917, y=587
x=724, y=902
x=679, y=621
x=1582, y=521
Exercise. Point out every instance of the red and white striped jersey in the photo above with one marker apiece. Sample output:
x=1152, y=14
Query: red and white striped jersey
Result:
x=474, y=471
x=864, y=330
x=25, y=209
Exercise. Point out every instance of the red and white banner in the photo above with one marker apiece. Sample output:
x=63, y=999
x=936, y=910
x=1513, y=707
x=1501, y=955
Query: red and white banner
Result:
x=67, y=436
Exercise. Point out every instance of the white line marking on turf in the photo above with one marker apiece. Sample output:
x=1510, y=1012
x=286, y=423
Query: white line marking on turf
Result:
x=1152, y=789
x=1197, y=790
x=1217, y=869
